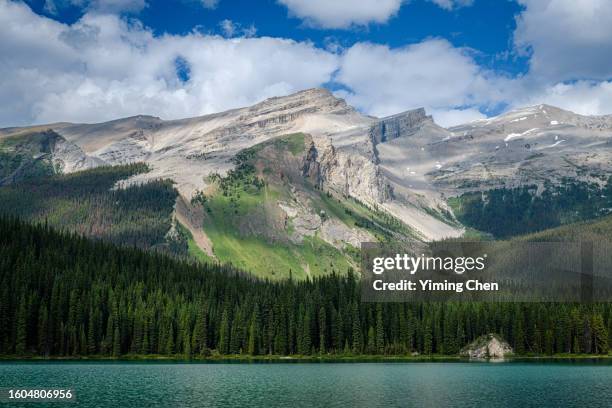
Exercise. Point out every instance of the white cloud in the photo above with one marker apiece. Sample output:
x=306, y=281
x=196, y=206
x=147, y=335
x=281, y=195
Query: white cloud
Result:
x=210, y=4
x=567, y=39
x=433, y=74
x=452, y=117
x=584, y=97
x=569, y=44
x=228, y=27
x=452, y=4
x=342, y=13
x=104, y=67
x=231, y=29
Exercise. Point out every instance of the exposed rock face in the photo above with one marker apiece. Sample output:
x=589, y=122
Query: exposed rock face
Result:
x=310, y=166
x=403, y=164
x=339, y=235
x=526, y=146
x=68, y=157
x=353, y=174
x=48, y=147
x=400, y=125
x=490, y=346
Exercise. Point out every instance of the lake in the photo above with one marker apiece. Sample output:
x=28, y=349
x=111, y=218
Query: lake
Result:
x=419, y=384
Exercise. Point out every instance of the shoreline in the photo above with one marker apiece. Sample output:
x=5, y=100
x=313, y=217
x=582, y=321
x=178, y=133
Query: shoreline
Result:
x=304, y=359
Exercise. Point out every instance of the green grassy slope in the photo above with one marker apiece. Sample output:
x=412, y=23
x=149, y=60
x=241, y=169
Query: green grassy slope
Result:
x=249, y=230
x=246, y=226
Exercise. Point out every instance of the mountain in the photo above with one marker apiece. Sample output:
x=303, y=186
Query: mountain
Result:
x=534, y=144
x=295, y=183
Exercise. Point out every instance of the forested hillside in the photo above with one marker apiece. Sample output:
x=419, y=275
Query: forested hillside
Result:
x=85, y=202
x=506, y=212
x=64, y=295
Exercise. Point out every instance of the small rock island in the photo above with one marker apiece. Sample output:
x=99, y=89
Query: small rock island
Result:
x=487, y=347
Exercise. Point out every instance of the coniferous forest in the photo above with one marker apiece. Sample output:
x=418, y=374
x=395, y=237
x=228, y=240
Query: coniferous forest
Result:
x=507, y=212
x=64, y=295
x=89, y=203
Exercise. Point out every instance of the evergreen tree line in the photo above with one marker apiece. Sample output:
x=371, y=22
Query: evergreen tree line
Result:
x=86, y=202
x=506, y=212
x=64, y=295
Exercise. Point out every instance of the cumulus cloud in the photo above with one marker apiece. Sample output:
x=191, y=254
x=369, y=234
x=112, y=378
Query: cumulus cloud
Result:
x=433, y=74
x=104, y=67
x=569, y=45
x=566, y=39
x=342, y=13
x=583, y=97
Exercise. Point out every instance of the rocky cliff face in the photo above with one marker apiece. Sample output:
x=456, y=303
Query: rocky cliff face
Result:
x=404, y=164
x=400, y=125
x=40, y=151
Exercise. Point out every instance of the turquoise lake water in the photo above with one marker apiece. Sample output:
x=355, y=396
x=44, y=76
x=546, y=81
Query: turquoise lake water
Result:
x=436, y=384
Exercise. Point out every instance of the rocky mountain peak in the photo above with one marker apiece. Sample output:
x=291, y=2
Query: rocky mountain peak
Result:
x=315, y=100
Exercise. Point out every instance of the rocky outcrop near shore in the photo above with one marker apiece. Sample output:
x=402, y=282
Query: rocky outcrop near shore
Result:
x=489, y=346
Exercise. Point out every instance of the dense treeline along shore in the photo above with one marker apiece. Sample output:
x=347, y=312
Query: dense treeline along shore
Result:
x=62, y=295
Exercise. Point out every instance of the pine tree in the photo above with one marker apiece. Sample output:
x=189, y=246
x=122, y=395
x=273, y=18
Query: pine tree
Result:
x=200, y=332
x=371, y=346
x=357, y=341
x=338, y=331
x=91, y=336
x=587, y=339
x=43, y=331
x=306, y=337
x=322, y=330
x=21, y=338
x=600, y=335
x=427, y=337
x=380, y=330
x=169, y=336
x=224, y=332
x=116, y=343
x=518, y=334
x=253, y=348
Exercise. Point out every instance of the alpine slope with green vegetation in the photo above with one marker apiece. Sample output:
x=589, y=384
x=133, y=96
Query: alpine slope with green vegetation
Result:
x=62, y=295
x=269, y=217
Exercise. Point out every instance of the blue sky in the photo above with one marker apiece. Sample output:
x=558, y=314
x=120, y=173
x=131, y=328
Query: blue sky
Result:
x=93, y=60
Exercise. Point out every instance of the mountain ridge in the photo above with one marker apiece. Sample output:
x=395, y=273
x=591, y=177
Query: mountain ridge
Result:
x=404, y=164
